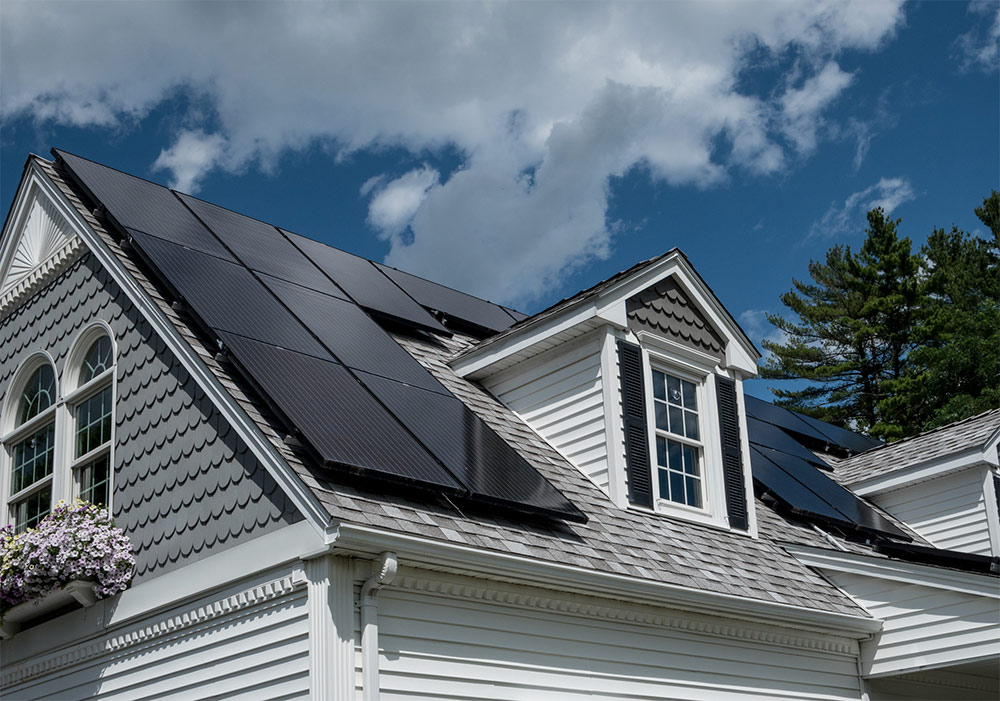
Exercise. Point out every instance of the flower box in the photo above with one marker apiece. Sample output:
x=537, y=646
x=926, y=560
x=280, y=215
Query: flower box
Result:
x=78, y=591
x=74, y=555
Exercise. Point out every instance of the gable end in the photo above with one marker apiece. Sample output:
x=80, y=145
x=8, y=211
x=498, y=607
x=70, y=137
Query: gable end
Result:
x=665, y=309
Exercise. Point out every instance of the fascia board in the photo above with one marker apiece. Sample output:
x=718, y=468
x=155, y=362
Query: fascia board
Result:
x=248, y=431
x=921, y=472
x=905, y=572
x=460, y=559
x=474, y=363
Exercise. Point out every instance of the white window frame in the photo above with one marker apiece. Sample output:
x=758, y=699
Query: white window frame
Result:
x=69, y=394
x=76, y=394
x=11, y=434
x=700, y=371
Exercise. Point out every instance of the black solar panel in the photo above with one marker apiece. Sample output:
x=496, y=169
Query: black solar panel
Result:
x=775, y=415
x=261, y=247
x=849, y=440
x=764, y=434
x=226, y=296
x=825, y=493
x=365, y=284
x=516, y=315
x=453, y=303
x=142, y=205
x=338, y=417
x=489, y=468
x=789, y=490
x=349, y=333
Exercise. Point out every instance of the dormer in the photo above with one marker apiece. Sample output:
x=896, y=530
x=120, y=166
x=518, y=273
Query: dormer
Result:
x=638, y=382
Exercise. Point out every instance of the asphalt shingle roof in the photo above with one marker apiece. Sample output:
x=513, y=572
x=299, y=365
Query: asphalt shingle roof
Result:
x=621, y=541
x=962, y=435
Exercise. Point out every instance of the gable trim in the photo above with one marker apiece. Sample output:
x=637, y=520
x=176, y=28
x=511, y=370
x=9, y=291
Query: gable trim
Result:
x=50, y=263
x=608, y=307
x=248, y=431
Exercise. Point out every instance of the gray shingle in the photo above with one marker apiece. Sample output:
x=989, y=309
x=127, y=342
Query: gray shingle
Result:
x=973, y=432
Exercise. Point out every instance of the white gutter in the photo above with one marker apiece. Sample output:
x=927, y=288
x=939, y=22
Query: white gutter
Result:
x=475, y=562
x=384, y=570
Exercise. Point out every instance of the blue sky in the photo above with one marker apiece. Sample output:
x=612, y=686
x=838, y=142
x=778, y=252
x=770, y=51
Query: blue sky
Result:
x=527, y=150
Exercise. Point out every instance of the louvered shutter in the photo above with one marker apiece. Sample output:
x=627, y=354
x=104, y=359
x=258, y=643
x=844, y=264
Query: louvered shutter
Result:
x=640, y=478
x=732, y=454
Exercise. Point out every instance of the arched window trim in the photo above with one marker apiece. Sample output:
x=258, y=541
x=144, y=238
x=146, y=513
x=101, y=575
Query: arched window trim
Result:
x=12, y=434
x=77, y=393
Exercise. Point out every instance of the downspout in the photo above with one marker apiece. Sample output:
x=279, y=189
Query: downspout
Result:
x=384, y=570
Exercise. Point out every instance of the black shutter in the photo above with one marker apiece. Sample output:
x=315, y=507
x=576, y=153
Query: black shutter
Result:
x=732, y=454
x=631, y=370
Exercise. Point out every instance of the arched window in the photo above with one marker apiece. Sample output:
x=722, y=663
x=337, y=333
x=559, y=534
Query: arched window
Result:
x=31, y=446
x=91, y=407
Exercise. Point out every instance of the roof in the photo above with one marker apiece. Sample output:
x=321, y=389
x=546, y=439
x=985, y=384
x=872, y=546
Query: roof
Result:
x=634, y=543
x=594, y=291
x=973, y=432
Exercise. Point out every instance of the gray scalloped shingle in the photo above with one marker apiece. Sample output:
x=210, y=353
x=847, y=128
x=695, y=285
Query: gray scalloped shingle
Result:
x=665, y=308
x=183, y=487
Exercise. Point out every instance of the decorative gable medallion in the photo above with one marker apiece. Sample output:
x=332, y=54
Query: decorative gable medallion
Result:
x=38, y=246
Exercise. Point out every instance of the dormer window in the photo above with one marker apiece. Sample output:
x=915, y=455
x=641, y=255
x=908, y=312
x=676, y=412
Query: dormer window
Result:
x=679, y=448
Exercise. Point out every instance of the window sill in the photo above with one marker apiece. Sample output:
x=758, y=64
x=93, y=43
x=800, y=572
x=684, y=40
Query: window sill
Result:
x=80, y=592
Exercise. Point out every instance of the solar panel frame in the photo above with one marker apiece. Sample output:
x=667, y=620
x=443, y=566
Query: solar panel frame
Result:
x=490, y=469
x=782, y=418
x=246, y=309
x=144, y=206
x=852, y=509
x=770, y=436
x=788, y=489
x=453, y=303
x=335, y=414
x=350, y=335
x=365, y=284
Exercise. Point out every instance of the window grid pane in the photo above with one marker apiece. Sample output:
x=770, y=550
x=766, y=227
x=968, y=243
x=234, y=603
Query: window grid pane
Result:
x=675, y=405
x=93, y=422
x=33, y=458
x=97, y=361
x=32, y=509
x=94, y=480
x=39, y=394
x=679, y=473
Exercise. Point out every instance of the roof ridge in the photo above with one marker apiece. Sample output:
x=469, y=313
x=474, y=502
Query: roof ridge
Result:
x=928, y=432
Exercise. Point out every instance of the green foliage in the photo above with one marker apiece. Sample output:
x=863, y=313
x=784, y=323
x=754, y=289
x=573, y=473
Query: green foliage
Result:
x=893, y=343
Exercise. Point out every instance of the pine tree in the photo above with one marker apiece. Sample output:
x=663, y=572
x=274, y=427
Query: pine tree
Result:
x=854, y=329
x=955, y=370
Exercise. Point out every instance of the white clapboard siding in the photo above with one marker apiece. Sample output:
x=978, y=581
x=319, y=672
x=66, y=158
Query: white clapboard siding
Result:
x=561, y=397
x=935, y=689
x=447, y=648
x=949, y=511
x=257, y=652
x=924, y=626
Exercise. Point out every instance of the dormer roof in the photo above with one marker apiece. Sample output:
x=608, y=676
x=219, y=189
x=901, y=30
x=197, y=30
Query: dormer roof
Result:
x=608, y=304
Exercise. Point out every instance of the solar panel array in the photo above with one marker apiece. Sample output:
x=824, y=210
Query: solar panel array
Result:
x=452, y=303
x=289, y=312
x=792, y=474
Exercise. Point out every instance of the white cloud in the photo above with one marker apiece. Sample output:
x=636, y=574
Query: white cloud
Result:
x=802, y=107
x=754, y=322
x=849, y=217
x=190, y=158
x=980, y=47
x=545, y=102
x=393, y=205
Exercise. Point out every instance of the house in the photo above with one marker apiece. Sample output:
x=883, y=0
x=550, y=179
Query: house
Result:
x=343, y=481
